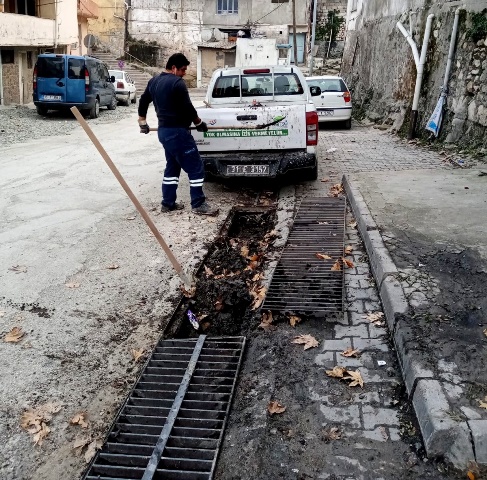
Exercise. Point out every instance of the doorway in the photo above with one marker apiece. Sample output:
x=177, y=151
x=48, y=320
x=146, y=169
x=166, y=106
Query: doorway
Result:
x=301, y=37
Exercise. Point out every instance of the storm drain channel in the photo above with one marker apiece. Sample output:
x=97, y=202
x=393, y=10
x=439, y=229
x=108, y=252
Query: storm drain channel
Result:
x=302, y=282
x=173, y=422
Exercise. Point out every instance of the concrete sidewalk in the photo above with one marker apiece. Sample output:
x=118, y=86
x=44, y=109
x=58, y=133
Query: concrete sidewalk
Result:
x=426, y=238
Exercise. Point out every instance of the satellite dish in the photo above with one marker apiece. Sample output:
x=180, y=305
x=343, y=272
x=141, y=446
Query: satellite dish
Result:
x=90, y=40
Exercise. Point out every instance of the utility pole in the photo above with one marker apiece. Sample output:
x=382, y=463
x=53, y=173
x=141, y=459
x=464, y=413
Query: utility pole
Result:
x=295, y=40
x=313, y=34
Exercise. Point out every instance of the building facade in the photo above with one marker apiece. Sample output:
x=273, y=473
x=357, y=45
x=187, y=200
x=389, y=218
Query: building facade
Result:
x=27, y=28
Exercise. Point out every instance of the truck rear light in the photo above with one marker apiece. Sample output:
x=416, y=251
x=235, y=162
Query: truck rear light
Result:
x=311, y=128
x=119, y=84
x=34, y=79
x=87, y=80
x=257, y=70
x=347, y=97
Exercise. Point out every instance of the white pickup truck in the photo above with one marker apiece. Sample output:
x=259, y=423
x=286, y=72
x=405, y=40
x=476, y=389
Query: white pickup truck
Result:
x=262, y=123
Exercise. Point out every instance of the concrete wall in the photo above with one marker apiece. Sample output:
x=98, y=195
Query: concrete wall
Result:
x=109, y=27
x=24, y=30
x=378, y=65
x=210, y=59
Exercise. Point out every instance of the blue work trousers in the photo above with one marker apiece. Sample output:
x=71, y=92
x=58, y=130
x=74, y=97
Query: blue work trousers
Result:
x=181, y=153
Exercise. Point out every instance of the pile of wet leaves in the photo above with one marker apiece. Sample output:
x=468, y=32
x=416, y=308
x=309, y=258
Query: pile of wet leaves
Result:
x=229, y=288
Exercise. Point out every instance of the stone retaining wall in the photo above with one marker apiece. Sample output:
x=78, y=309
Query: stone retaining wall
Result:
x=379, y=66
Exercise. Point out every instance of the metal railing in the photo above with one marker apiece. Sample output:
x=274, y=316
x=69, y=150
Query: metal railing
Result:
x=137, y=59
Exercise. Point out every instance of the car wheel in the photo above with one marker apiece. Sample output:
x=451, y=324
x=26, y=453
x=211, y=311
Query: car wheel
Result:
x=113, y=104
x=95, y=109
x=348, y=124
x=41, y=110
x=134, y=100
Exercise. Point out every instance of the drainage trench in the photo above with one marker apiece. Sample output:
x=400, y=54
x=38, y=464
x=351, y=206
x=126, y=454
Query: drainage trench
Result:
x=172, y=424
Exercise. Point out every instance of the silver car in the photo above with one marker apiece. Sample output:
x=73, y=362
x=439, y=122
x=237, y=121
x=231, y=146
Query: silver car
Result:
x=124, y=87
x=335, y=102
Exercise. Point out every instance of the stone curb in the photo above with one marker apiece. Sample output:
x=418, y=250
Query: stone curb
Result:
x=441, y=434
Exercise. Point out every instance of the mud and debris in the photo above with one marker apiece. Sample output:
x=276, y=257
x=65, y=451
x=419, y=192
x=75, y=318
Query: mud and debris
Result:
x=233, y=269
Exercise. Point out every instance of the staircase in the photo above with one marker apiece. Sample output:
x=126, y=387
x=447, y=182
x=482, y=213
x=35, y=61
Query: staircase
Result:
x=140, y=77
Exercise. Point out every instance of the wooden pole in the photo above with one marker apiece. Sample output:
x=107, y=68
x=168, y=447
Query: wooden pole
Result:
x=295, y=42
x=132, y=197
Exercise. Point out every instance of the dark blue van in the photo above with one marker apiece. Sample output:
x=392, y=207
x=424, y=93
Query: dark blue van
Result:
x=64, y=81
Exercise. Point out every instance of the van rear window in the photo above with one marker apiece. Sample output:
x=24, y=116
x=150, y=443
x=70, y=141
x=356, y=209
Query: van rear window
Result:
x=257, y=85
x=75, y=68
x=50, y=67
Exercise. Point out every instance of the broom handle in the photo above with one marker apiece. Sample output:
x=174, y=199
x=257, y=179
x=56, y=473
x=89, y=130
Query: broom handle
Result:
x=129, y=192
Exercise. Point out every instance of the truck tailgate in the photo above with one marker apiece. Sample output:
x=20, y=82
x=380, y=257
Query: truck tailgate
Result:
x=288, y=133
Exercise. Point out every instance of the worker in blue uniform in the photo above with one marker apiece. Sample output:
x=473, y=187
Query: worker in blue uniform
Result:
x=175, y=114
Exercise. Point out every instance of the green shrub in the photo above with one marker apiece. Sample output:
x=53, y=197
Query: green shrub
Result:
x=478, y=30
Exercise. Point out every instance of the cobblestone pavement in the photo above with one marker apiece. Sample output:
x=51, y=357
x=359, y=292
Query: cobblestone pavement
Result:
x=380, y=436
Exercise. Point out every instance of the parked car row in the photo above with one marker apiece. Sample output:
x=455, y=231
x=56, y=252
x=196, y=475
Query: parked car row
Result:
x=64, y=81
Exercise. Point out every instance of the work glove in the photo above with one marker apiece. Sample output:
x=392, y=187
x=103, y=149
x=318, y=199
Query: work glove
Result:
x=201, y=127
x=144, y=128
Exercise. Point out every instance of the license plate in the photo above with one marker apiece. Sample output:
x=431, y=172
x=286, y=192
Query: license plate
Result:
x=247, y=169
x=326, y=113
x=51, y=97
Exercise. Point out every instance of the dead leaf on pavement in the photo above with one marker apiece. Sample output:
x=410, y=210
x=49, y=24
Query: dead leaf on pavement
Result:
x=336, y=190
x=41, y=434
x=18, y=269
x=333, y=433
x=137, y=354
x=79, y=419
x=322, y=256
x=208, y=271
x=356, y=378
x=324, y=180
x=348, y=249
x=294, y=320
x=307, y=340
x=266, y=321
x=113, y=267
x=275, y=407
x=353, y=224
x=471, y=475
x=35, y=421
x=91, y=450
x=80, y=443
x=483, y=403
x=375, y=318
x=336, y=266
x=244, y=251
x=347, y=263
x=14, y=336
x=485, y=332
x=350, y=352
x=131, y=218
x=72, y=285
x=188, y=293
x=258, y=293
x=337, y=372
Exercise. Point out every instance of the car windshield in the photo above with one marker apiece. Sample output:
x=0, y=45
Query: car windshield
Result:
x=328, y=84
x=50, y=67
x=117, y=75
x=257, y=85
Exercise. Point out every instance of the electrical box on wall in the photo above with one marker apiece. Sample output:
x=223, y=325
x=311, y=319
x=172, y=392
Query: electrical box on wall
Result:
x=256, y=51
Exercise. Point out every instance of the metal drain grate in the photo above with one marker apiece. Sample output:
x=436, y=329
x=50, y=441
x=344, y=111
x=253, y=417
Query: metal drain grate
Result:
x=302, y=282
x=172, y=424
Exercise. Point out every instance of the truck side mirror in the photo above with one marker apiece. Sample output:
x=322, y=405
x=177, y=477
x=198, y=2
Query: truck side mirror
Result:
x=315, y=91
